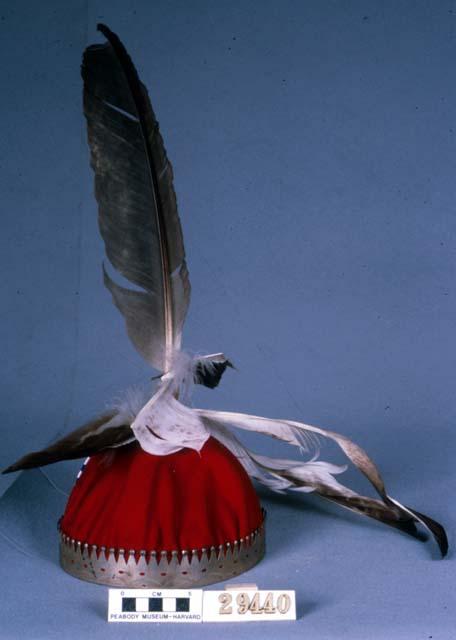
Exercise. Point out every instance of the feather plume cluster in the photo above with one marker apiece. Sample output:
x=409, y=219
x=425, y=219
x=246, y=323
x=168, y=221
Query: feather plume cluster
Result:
x=140, y=226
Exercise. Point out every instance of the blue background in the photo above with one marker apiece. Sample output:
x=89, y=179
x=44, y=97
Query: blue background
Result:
x=314, y=157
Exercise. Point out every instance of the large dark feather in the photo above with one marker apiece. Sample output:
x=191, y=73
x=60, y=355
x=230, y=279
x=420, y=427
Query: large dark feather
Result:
x=138, y=216
x=91, y=438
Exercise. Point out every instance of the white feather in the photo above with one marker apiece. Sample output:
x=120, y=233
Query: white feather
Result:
x=129, y=404
x=275, y=473
x=292, y=432
x=304, y=476
x=165, y=425
x=297, y=434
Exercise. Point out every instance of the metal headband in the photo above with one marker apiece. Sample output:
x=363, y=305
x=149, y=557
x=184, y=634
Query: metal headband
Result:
x=164, y=569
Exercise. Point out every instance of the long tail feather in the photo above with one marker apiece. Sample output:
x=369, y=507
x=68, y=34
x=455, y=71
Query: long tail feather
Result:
x=387, y=510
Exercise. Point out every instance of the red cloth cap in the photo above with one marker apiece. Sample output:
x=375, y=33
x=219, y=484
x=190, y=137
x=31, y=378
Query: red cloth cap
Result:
x=127, y=498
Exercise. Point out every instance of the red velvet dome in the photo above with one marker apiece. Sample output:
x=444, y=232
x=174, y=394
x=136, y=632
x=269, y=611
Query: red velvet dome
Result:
x=129, y=499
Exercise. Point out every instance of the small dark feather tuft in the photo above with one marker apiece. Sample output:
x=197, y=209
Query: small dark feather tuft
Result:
x=209, y=373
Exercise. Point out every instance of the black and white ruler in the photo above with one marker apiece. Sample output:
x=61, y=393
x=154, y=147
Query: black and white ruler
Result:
x=155, y=605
